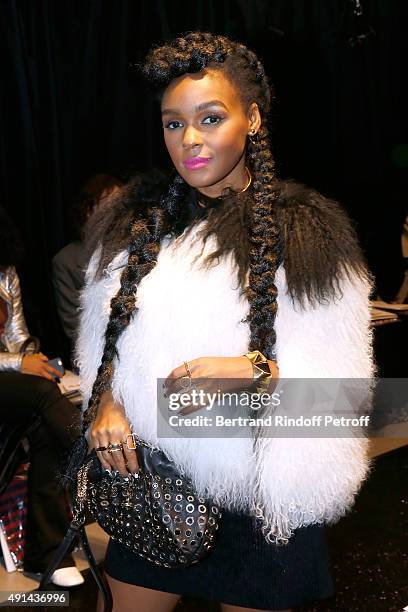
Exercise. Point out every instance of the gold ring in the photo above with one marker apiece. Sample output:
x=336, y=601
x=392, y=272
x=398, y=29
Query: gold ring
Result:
x=132, y=436
x=112, y=448
x=187, y=366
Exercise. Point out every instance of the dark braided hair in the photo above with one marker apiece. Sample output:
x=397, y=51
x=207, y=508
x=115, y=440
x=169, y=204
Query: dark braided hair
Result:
x=193, y=53
x=143, y=250
x=251, y=217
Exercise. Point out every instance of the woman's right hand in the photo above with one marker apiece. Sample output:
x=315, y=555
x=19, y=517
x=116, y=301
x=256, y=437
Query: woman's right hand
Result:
x=111, y=427
x=37, y=364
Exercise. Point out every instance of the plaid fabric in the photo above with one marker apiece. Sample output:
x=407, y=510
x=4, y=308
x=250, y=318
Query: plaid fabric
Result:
x=13, y=510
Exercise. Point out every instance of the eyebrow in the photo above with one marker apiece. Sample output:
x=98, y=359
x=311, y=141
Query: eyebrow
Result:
x=200, y=107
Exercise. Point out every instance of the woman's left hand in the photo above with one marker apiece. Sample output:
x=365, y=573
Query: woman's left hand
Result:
x=213, y=374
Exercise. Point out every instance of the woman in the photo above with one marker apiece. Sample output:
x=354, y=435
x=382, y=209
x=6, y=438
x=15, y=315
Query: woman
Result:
x=229, y=261
x=28, y=389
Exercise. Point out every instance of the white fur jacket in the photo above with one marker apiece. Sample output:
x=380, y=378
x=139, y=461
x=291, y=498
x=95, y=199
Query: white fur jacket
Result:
x=185, y=312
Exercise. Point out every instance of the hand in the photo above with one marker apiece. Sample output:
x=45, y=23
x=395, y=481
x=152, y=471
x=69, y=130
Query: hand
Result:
x=111, y=426
x=213, y=374
x=37, y=365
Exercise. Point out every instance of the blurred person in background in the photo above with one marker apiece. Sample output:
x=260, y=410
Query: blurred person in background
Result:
x=27, y=390
x=402, y=295
x=69, y=264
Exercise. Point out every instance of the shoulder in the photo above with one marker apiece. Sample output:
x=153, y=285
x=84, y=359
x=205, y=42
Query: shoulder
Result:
x=300, y=208
x=320, y=246
x=11, y=277
x=10, y=284
x=6, y=275
x=72, y=254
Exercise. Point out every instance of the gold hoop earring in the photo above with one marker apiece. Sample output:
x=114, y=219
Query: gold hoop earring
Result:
x=249, y=175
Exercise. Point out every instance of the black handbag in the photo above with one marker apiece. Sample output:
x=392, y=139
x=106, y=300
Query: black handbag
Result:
x=155, y=513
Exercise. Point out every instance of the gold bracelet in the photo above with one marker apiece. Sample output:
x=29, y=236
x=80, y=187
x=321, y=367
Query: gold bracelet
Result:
x=261, y=371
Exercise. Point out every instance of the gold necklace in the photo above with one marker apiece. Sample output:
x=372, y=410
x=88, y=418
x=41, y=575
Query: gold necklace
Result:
x=249, y=175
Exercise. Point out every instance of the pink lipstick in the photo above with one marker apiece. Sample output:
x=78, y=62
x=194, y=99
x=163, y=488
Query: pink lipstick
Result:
x=194, y=163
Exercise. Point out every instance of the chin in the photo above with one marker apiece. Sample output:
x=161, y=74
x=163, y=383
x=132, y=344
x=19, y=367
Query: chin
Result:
x=197, y=183
x=198, y=179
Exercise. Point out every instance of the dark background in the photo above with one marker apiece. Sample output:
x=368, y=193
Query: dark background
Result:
x=72, y=105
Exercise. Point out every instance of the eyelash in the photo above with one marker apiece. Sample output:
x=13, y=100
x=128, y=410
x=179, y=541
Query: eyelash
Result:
x=219, y=119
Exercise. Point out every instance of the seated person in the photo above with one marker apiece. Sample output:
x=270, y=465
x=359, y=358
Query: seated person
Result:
x=69, y=264
x=28, y=389
x=402, y=295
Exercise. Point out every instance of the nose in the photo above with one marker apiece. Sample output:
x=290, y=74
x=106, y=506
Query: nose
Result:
x=191, y=138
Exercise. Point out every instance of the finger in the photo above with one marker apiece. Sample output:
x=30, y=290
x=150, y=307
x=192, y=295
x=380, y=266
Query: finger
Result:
x=189, y=409
x=176, y=373
x=104, y=458
x=42, y=357
x=52, y=370
x=193, y=407
x=115, y=457
x=131, y=459
x=171, y=377
x=45, y=374
x=102, y=440
x=182, y=384
x=119, y=461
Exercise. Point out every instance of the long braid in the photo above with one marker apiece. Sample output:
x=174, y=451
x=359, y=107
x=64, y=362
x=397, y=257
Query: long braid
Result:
x=143, y=251
x=265, y=246
x=265, y=252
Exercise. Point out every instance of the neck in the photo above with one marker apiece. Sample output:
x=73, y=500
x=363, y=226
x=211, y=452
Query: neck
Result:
x=237, y=180
x=246, y=184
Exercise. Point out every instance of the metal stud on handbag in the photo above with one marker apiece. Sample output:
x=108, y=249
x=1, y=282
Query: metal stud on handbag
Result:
x=156, y=513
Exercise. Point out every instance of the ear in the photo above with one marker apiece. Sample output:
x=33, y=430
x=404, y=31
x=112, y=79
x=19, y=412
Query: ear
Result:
x=254, y=119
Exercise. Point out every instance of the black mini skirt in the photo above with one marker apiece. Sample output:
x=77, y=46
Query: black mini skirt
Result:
x=243, y=569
